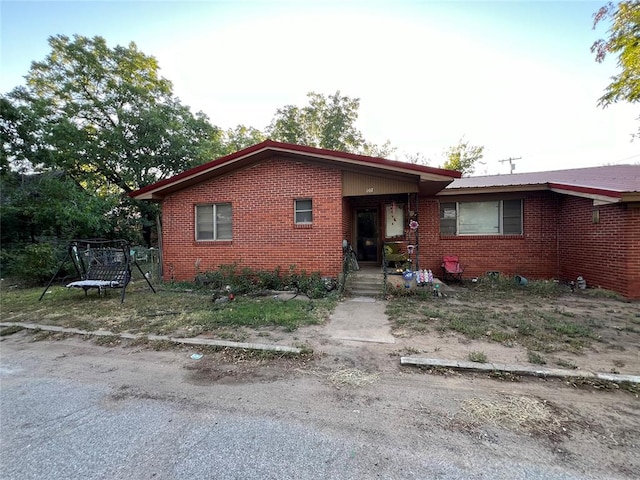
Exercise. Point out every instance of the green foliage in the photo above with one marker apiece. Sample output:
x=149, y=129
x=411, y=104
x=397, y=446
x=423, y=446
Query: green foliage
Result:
x=242, y=137
x=107, y=119
x=261, y=313
x=326, y=122
x=10, y=330
x=51, y=205
x=34, y=264
x=505, y=285
x=463, y=157
x=168, y=312
x=535, y=358
x=248, y=280
x=471, y=325
x=622, y=41
x=479, y=357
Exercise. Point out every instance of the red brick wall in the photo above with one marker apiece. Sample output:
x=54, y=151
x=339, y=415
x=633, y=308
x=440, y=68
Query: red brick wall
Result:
x=633, y=236
x=560, y=241
x=532, y=255
x=264, y=233
x=606, y=253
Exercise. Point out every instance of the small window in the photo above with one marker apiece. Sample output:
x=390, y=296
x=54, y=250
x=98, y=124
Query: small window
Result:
x=496, y=217
x=303, y=211
x=213, y=222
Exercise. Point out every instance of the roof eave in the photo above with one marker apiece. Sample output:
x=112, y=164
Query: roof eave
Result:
x=158, y=190
x=494, y=189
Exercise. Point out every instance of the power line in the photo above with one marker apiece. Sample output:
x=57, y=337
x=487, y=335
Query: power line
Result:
x=629, y=158
x=512, y=165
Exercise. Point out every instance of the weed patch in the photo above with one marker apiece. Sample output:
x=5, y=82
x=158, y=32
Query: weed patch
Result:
x=543, y=319
x=187, y=312
x=10, y=330
x=262, y=313
x=479, y=357
x=535, y=358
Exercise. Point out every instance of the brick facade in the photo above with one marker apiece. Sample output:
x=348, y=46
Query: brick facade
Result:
x=265, y=235
x=560, y=238
x=600, y=243
x=560, y=241
x=532, y=254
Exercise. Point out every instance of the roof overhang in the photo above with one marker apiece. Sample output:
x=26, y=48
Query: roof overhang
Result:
x=598, y=195
x=492, y=189
x=431, y=180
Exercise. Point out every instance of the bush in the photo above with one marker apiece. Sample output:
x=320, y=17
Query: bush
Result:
x=248, y=280
x=33, y=264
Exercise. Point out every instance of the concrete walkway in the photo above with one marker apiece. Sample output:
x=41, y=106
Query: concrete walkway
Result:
x=360, y=319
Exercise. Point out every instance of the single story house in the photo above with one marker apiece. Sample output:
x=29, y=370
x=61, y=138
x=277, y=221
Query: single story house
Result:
x=278, y=205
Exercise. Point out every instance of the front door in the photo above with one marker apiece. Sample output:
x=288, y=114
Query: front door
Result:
x=367, y=243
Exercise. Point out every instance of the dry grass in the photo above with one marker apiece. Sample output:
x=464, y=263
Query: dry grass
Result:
x=352, y=377
x=543, y=324
x=176, y=312
x=519, y=413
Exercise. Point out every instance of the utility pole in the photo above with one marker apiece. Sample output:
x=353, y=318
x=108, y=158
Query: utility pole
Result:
x=512, y=166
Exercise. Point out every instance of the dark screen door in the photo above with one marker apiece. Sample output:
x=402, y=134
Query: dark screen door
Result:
x=367, y=235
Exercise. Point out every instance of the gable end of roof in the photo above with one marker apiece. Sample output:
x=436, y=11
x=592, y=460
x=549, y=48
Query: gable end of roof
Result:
x=158, y=190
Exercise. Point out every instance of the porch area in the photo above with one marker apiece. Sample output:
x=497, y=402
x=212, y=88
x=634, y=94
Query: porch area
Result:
x=370, y=280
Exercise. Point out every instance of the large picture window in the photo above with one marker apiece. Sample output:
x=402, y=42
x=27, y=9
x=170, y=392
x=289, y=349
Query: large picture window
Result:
x=495, y=217
x=213, y=222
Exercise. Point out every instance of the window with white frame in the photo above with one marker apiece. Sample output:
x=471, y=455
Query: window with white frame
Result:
x=303, y=211
x=213, y=222
x=494, y=217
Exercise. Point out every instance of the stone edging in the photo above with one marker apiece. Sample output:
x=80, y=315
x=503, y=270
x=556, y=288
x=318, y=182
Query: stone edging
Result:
x=518, y=370
x=131, y=336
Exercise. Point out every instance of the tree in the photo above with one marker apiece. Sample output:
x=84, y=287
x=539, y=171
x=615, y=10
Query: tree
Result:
x=417, y=158
x=52, y=205
x=107, y=119
x=463, y=157
x=242, y=137
x=15, y=135
x=624, y=41
x=326, y=122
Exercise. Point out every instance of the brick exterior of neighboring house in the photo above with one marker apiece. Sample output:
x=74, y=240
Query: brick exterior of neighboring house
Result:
x=553, y=225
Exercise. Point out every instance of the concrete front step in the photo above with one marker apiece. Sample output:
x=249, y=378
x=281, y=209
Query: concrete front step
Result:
x=364, y=292
x=364, y=284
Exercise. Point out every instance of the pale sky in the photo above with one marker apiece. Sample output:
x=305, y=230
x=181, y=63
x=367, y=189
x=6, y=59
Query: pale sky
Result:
x=516, y=77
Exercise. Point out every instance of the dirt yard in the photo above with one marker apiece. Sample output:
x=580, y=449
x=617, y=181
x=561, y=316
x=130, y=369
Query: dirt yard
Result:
x=580, y=429
x=573, y=331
